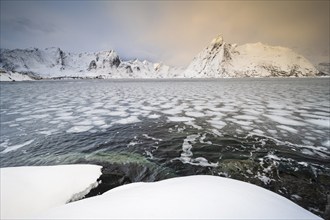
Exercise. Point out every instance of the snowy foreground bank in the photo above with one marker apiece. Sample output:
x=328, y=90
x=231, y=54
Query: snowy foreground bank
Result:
x=41, y=192
x=28, y=191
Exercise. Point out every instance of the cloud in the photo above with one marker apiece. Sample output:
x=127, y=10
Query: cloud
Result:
x=179, y=30
x=25, y=24
x=169, y=31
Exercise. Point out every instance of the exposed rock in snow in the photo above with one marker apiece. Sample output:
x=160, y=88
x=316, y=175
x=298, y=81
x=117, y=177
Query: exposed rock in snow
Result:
x=92, y=65
x=218, y=41
x=324, y=68
x=221, y=59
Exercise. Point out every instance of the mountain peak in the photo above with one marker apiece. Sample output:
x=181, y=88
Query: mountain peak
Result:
x=218, y=41
x=250, y=60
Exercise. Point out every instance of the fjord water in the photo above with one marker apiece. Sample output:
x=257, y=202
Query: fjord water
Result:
x=271, y=132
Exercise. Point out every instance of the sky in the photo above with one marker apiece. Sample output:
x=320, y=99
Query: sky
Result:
x=172, y=32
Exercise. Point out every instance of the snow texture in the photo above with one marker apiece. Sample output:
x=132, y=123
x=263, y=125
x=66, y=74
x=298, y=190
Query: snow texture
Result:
x=193, y=197
x=27, y=191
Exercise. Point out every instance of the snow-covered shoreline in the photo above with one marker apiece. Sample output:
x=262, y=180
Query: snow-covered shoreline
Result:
x=17, y=77
x=12, y=77
x=27, y=191
x=42, y=193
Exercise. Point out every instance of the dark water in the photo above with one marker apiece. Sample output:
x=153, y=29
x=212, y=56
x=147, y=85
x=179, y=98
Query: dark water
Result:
x=270, y=132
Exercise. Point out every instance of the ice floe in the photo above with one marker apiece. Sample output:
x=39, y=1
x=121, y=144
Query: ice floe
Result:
x=285, y=120
x=320, y=122
x=16, y=147
x=217, y=123
x=287, y=128
x=180, y=119
x=195, y=114
x=78, y=129
x=128, y=120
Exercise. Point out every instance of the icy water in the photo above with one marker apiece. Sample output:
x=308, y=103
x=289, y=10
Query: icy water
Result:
x=271, y=132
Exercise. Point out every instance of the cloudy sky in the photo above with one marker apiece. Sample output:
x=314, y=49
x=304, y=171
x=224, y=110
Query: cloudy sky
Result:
x=169, y=31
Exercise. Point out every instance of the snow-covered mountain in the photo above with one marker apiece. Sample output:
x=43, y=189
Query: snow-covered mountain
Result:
x=220, y=59
x=55, y=63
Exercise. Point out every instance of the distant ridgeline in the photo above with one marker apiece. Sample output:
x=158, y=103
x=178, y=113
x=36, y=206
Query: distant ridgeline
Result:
x=218, y=60
x=55, y=63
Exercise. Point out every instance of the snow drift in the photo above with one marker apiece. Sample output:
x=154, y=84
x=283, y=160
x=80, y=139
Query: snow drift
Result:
x=27, y=191
x=193, y=197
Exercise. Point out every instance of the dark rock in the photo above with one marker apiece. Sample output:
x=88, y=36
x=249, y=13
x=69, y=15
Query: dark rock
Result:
x=129, y=69
x=115, y=62
x=92, y=65
x=60, y=59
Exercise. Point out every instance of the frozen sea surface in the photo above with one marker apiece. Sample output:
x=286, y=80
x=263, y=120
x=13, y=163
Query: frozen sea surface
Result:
x=270, y=132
